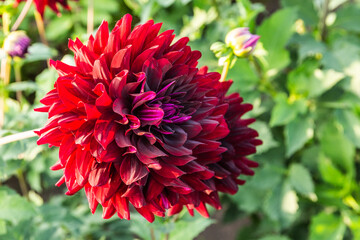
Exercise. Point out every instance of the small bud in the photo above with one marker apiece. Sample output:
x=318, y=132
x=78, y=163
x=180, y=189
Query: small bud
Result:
x=16, y=44
x=241, y=41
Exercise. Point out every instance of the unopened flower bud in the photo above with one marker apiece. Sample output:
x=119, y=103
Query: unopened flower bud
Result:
x=241, y=41
x=16, y=44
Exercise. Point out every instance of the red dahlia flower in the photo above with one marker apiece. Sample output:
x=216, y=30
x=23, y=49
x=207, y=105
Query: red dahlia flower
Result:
x=41, y=4
x=137, y=122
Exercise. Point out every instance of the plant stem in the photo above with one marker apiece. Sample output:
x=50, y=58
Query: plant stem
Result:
x=152, y=233
x=90, y=17
x=18, y=136
x=323, y=29
x=22, y=15
x=41, y=28
x=265, y=85
x=6, y=22
x=17, y=71
x=5, y=75
x=225, y=70
x=22, y=183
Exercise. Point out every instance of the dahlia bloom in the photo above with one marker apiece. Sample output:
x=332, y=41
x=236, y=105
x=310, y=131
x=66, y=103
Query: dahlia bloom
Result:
x=41, y=4
x=241, y=41
x=137, y=122
x=16, y=44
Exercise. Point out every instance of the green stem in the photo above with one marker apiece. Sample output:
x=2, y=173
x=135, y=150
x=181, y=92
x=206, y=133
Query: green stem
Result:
x=17, y=71
x=90, y=17
x=6, y=22
x=225, y=70
x=41, y=27
x=265, y=85
x=152, y=234
x=22, y=183
x=5, y=72
x=22, y=15
x=323, y=29
x=18, y=136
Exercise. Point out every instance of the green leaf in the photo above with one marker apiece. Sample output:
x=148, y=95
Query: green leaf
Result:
x=275, y=32
x=311, y=81
x=308, y=46
x=300, y=179
x=325, y=226
x=353, y=223
x=351, y=125
x=281, y=204
x=23, y=86
x=2, y=227
x=297, y=133
x=348, y=18
x=329, y=172
x=189, y=229
x=39, y=51
x=14, y=208
x=59, y=28
x=265, y=136
x=285, y=110
x=323, y=80
x=165, y=3
x=306, y=10
x=275, y=237
x=336, y=146
x=272, y=204
x=250, y=197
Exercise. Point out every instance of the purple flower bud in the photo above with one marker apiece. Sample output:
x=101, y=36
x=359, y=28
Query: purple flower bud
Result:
x=241, y=41
x=16, y=44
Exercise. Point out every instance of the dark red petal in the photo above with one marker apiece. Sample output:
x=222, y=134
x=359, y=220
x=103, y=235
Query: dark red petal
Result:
x=121, y=60
x=101, y=38
x=132, y=170
x=146, y=213
x=99, y=175
x=104, y=131
x=121, y=205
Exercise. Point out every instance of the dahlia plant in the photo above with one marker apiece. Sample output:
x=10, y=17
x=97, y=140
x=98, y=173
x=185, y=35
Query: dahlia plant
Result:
x=137, y=122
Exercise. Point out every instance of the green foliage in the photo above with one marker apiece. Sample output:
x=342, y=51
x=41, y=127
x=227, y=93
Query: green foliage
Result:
x=303, y=81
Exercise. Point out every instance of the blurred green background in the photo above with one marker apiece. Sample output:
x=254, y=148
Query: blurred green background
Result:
x=305, y=89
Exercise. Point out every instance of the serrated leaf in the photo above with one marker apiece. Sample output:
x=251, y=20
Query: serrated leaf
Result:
x=285, y=111
x=325, y=226
x=329, y=172
x=297, y=133
x=351, y=125
x=300, y=179
x=281, y=204
x=323, y=81
x=310, y=81
x=266, y=137
x=348, y=18
x=336, y=146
